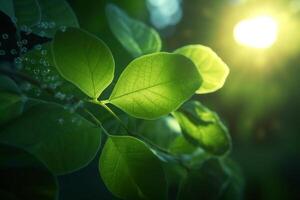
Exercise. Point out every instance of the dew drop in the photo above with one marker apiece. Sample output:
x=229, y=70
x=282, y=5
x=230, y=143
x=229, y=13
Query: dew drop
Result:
x=4, y=36
x=2, y=52
x=32, y=61
x=36, y=71
x=24, y=42
x=38, y=47
x=44, y=52
x=19, y=44
x=24, y=28
x=38, y=92
x=13, y=52
x=60, y=96
x=26, y=86
x=14, y=19
x=18, y=60
x=45, y=72
x=23, y=49
x=61, y=121
x=63, y=28
x=42, y=33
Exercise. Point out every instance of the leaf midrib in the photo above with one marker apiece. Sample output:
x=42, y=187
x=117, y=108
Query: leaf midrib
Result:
x=138, y=90
x=127, y=168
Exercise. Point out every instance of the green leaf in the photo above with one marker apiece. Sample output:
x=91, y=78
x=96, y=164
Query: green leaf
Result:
x=210, y=66
x=161, y=132
x=234, y=189
x=56, y=12
x=154, y=85
x=204, y=183
x=23, y=176
x=11, y=106
x=39, y=63
x=64, y=141
x=7, y=6
x=8, y=85
x=11, y=101
x=203, y=127
x=215, y=179
x=181, y=146
x=84, y=60
x=135, y=36
x=27, y=12
x=130, y=170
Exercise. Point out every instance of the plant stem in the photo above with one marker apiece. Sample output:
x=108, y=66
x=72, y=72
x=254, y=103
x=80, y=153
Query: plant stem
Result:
x=149, y=142
x=97, y=121
x=27, y=78
x=103, y=104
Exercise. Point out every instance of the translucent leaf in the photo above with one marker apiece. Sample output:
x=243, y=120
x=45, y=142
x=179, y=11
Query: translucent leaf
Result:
x=130, y=170
x=135, y=36
x=154, y=85
x=84, y=60
x=203, y=127
x=161, y=132
x=210, y=66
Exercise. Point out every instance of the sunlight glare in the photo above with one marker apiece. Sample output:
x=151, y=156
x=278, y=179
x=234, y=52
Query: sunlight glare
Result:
x=258, y=32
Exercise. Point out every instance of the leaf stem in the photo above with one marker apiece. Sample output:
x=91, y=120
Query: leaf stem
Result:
x=103, y=104
x=27, y=78
x=149, y=142
x=97, y=121
x=164, y=151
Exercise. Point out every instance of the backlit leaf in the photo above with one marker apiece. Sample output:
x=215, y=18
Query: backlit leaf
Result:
x=154, y=85
x=210, y=66
x=84, y=60
x=130, y=170
x=203, y=127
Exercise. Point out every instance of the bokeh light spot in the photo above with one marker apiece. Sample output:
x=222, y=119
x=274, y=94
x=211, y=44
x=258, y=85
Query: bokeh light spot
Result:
x=258, y=32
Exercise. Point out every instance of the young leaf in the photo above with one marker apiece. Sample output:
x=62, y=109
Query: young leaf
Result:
x=23, y=176
x=154, y=85
x=135, y=36
x=59, y=14
x=64, y=141
x=210, y=66
x=130, y=170
x=203, y=127
x=84, y=60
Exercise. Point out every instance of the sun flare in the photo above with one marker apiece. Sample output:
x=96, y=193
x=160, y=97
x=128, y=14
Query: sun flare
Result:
x=259, y=32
